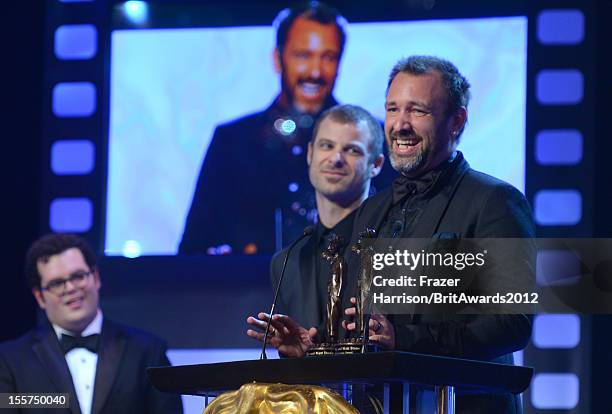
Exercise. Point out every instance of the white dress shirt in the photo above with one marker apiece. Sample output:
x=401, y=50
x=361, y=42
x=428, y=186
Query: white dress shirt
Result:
x=82, y=364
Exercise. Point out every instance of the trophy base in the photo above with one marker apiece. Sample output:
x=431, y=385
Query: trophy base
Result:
x=322, y=349
x=343, y=347
x=355, y=346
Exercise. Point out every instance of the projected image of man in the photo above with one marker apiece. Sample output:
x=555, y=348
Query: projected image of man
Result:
x=253, y=194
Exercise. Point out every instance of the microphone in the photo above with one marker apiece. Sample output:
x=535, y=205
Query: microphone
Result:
x=307, y=232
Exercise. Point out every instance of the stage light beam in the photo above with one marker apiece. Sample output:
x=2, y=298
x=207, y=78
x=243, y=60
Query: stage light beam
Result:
x=136, y=11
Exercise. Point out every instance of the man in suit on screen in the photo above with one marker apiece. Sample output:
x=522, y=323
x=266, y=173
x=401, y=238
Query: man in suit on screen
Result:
x=253, y=193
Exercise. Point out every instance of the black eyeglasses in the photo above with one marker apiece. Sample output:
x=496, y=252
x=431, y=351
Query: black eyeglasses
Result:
x=58, y=286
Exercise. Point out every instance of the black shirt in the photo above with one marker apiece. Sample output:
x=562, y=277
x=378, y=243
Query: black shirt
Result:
x=410, y=198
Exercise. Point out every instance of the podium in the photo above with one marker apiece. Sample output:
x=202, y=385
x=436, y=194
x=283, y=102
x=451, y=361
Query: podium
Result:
x=393, y=372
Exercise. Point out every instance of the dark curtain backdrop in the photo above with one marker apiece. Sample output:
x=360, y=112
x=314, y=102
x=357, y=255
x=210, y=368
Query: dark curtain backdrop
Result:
x=21, y=38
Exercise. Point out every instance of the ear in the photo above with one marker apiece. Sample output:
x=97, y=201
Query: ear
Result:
x=377, y=166
x=458, y=120
x=39, y=297
x=276, y=58
x=309, y=153
x=96, y=276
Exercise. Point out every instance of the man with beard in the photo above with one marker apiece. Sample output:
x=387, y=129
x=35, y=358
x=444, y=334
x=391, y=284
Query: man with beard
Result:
x=437, y=195
x=253, y=194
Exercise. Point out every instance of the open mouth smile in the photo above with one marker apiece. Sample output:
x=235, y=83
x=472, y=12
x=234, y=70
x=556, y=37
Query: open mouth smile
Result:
x=405, y=146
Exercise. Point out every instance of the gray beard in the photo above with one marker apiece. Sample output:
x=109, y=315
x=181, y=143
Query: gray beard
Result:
x=407, y=165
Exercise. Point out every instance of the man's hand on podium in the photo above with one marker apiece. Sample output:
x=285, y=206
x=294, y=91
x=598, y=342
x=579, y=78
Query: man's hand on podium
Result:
x=381, y=329
x=286, y=335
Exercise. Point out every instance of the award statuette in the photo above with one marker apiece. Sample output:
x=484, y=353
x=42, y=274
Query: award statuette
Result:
x=334, y=291
x=334, y=286
x=364, y=298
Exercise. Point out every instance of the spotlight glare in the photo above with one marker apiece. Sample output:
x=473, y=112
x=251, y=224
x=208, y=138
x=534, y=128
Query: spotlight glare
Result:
x=131, y=249
x=288, y=126
x=136, y=11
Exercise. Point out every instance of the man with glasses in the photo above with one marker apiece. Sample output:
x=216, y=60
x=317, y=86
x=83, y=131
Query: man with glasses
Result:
x=100, y=364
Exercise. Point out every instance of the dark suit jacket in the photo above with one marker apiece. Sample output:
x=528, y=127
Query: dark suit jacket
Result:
x=304, y=294
x=35, y=363
x=298, y=296
x=245, y=178
x=468, y=204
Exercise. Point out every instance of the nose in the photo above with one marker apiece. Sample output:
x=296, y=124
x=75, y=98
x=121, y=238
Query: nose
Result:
x=314, y=67
x=69, y=286
x=402, y=123
x=338, y=159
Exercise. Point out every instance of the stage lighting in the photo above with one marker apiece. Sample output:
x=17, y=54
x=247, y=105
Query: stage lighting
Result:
x=131, y=249
x=136, y=11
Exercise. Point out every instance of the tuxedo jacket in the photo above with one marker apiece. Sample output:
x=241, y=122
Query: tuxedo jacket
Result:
x=463, y=203
x=36, y=363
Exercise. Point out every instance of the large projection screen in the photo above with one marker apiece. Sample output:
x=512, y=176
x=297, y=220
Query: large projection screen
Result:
x=169, y=88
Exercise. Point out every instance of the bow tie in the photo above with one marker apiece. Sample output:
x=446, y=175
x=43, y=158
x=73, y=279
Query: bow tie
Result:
x=91, y=342
x=401, y=187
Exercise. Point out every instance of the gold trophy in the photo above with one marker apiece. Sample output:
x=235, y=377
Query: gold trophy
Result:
x=364, y=297
x=334, y=296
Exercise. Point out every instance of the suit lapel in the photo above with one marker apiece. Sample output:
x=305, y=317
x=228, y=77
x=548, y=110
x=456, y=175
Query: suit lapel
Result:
x=377, y=213
x=109, y=357
x=47, y=349
x=434, y=211
x=437, y=205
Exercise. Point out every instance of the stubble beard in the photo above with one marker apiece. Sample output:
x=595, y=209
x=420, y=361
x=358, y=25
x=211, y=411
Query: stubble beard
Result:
x=341, y=193
x=408, y=165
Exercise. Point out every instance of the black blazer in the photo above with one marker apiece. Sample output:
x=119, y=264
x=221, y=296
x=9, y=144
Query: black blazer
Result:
x=469, y=204
x=35, y=363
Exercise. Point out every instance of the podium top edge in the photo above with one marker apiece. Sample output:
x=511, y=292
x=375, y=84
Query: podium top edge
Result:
x=381, y=367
